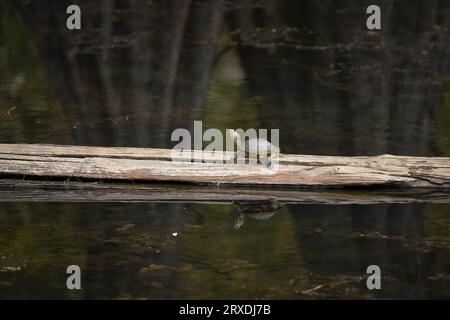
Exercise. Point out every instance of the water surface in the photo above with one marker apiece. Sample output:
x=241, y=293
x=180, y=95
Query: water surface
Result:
x=130, y=251
x=140, y=69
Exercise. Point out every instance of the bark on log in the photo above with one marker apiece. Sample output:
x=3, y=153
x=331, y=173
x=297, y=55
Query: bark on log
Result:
x=155, y=165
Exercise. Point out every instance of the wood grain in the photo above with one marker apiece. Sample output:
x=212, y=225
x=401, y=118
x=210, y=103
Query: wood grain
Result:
x=72, y=163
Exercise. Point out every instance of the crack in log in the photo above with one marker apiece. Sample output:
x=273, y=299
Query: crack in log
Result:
x=153, y=165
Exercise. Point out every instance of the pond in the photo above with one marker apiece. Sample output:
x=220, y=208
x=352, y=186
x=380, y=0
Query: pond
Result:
x=136, y=71
x=178, y=251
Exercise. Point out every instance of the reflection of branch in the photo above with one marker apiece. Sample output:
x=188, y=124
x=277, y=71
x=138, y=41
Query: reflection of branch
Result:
x=8, y=112
x=330, y=285
x=313, y=289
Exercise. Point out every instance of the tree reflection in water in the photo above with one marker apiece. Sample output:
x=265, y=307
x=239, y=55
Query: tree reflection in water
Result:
x=140, y=69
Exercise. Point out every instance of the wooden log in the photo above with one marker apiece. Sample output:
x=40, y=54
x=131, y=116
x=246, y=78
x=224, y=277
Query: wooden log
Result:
x=155, y=165
x=58, y=191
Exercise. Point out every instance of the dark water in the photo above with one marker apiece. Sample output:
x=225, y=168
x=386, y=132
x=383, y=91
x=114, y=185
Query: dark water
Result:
x=140, y=69
x=130, y=251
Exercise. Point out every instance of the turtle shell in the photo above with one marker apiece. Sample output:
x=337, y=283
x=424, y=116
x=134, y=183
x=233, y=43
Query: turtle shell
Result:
x=256, y=147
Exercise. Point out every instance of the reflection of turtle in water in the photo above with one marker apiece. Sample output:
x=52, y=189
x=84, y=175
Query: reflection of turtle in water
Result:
x=256, y=147
x=258, y=210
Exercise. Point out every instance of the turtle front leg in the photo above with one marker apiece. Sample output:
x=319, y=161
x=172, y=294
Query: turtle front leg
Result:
x=265, y=160
x=270, y=163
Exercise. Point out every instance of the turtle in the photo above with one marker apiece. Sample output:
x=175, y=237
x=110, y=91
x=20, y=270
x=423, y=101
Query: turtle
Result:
x=258, y=210
x=256, y=147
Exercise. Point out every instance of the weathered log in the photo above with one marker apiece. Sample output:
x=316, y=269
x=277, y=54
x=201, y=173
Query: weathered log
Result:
x=155, y=165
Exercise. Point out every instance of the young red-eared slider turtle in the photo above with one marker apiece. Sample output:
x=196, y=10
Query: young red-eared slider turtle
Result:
x=256, y=147
x=258, y=210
